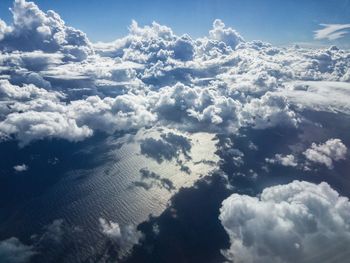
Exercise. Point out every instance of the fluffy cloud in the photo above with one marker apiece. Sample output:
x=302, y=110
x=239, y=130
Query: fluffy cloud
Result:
x=297, y=222
x=27, y=92
x=20, y=168
x=227, y=35
x=285, y=160
x=33, y=29
x=59, y=85
x=33, y=113
x=326, y=153
x=32, y=125
x=268, y=111
x=4, y=29
x=125, y=236
x=197, y=108
x=14, y=251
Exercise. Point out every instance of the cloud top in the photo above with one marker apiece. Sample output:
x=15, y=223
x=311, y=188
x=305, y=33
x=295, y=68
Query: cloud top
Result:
x=326, y=153
x=296, y=222
x=57, y=85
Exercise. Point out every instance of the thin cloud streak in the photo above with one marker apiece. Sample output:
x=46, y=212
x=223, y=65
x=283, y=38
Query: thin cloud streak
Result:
x=332, y=31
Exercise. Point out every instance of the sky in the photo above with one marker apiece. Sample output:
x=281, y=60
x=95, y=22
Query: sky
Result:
x=274, y=21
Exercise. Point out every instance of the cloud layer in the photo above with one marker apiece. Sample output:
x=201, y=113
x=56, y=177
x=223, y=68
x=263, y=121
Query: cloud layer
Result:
x=59, y=85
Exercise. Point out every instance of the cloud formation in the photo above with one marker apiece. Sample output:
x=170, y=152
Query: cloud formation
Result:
x=20, y=168
x=13, y=250
x=326, y=153
x=32, y=29
x=285, y=160
x=125, y=236
x=332, y=31
x=61, y=86
x=296, y=222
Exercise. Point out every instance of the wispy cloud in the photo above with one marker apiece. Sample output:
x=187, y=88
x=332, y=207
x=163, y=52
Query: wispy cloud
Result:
x=332, y=31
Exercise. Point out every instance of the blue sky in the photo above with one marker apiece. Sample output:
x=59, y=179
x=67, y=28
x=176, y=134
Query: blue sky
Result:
x=275, y=21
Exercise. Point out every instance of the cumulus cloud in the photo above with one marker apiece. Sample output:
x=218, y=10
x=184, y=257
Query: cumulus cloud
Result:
x=296, y=222
x=332, y=31
x=268, y=111
x=326, y=153
x=4, y=29
x=20, y=168
x=13, y=250
x=59, y=85
x=27, y=92
x=37, y=113
x=30, y=125
x=34, y=29
x=125, y=236
x=197, y=108
x=55, y=84
x=228, y=36
x=285, y=160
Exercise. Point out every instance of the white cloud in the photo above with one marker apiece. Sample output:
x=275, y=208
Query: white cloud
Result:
x=26, y=92
x=37, y=114
x=4, y=29
x=47, y=32
x=14, y=251
x=332, y=31
x=268, y=111
x=125, y=236
x=21, y=168
x=110, y=229
x=62, y=86
x=330, y=96
x=326, y=153
x=31, y=125
x=227, y=35
x=285, y=160
x=296, y=222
